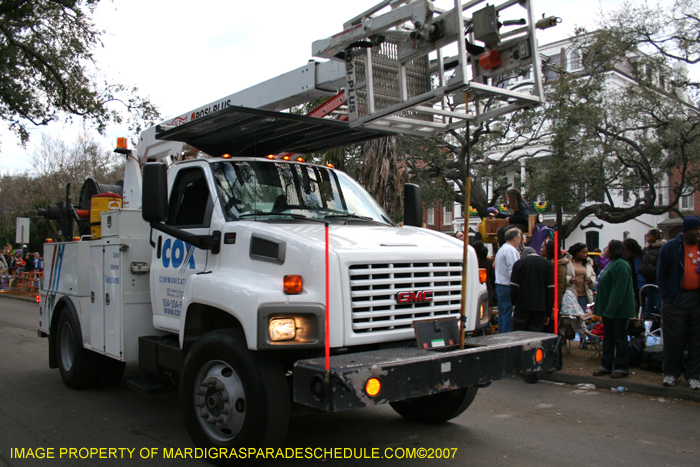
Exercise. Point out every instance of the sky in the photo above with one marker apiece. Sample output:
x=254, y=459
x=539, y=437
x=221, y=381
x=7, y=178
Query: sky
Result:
x=183, y=55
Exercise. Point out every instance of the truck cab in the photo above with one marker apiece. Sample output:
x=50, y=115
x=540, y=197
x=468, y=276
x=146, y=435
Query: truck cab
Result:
x=271, y=215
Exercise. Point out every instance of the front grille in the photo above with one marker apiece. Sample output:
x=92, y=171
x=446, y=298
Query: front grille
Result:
x=373, y=290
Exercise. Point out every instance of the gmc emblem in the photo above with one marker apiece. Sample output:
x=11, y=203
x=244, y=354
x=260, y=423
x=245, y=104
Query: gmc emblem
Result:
x=413, y=297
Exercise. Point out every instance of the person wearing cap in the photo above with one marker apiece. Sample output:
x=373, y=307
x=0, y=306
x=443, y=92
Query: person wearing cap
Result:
x=678, y=278
x=532, y=294
x=580, y=276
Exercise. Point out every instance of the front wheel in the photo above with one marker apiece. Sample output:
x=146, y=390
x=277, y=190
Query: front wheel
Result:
x=436, y=408
x=232, y=397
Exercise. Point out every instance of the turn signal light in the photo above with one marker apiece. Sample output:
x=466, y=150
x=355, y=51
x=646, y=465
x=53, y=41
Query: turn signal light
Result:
x=38, y=299
x=293, y=284
x=483, y=276
x=539, y=355
x=373, y=386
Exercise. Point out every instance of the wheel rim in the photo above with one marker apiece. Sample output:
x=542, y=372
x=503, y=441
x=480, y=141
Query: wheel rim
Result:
x=66, y=347
x=219, y=401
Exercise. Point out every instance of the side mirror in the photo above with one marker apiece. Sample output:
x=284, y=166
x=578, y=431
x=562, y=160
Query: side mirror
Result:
x=154, y=192
x=412, y=205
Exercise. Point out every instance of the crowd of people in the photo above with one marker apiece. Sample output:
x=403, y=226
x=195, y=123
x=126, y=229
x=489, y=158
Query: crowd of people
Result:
x=15, y=262
x=665, y=273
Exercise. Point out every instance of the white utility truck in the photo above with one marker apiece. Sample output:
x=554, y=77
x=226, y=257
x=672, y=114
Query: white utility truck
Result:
x=254, y=285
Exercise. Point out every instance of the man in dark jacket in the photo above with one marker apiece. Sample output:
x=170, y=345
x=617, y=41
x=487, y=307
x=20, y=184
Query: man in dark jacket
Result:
x=678, y=277
x=532, y=294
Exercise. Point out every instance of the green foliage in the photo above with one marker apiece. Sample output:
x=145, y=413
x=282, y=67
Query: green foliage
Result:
x=47, y=71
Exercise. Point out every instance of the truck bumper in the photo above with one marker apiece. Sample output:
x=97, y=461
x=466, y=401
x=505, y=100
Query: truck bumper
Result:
x=407, y=373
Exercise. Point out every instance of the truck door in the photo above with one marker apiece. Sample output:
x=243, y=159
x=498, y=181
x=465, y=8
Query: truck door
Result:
x=190, y=209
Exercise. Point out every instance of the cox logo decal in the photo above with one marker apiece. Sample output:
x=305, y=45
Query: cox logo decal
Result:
x=177, y=254
x=413, y=297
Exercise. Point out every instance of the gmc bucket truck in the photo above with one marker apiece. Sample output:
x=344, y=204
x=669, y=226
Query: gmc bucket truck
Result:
x=254, y=285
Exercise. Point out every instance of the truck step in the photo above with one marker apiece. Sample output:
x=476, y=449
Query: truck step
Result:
x=148, y=387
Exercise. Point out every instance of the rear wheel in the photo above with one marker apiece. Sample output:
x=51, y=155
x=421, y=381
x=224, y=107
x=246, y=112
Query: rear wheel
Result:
x=79, y=367
x=436, y=408
x=231, y=397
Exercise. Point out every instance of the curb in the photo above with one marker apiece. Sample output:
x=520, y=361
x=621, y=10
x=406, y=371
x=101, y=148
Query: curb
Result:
x=636, y=388
x=21, y=298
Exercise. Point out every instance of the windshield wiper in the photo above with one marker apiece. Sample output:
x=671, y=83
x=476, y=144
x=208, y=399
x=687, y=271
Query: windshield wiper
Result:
x=266, y=214
x=352, y=216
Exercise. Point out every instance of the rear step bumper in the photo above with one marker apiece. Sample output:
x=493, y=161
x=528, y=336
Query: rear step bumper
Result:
x=410, y=372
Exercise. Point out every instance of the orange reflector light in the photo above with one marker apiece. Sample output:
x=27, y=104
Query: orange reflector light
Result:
x=490, y=60
x=373, y=387
x=122, y=143
x=226, y=156
x=293, y=284
x=329, y=165
x=539, y=355
x=270, y=156
x=483, y=276
x=300, y=159
x=286, y=158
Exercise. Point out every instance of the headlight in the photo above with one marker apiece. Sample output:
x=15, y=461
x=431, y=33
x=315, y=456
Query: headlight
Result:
x=282, y=329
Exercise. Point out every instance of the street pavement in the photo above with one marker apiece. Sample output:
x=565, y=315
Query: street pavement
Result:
x=509, y=423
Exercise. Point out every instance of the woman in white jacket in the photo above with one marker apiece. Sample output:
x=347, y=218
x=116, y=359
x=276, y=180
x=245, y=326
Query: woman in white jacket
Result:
x=580, y=276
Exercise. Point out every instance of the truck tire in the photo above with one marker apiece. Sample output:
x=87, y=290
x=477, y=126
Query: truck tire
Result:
x=231, y=397
x=79, y=367
x=112, y=371
x=436, y=408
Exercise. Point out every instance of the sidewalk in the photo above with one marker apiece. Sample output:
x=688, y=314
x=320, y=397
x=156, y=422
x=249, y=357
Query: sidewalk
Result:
x=579, y=365
x=15, y=296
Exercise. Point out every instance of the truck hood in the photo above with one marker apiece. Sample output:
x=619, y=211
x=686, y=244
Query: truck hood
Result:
x=358, y=238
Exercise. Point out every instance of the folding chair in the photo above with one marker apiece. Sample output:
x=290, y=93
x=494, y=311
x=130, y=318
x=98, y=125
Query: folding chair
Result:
x=651, y=316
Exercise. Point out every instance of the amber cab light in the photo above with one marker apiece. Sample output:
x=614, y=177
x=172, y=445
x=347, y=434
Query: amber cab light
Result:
x=300, y=159
x=483, y=276
x=226, y=156
x=373, y=386
x=270, y=156
x=286, y=158
x=293, y=284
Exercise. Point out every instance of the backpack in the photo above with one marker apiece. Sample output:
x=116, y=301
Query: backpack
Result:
x=653, y=358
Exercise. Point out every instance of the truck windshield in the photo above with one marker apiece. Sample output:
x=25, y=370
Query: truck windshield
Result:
x=261, y=189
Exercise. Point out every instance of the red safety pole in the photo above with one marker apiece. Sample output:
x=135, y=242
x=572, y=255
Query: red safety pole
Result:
x=556, y=282
x=328, y=337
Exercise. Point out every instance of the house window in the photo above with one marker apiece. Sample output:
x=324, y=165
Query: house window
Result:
x=687, y=201
x=447, y=218
x=574, y=62
x=431, y=216
x=592, y=240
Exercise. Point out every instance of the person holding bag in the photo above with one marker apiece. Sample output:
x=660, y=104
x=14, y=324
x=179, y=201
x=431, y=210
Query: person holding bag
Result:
x=615, y=304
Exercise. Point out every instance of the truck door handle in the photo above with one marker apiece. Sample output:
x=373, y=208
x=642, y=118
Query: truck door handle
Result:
x=107, y=298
